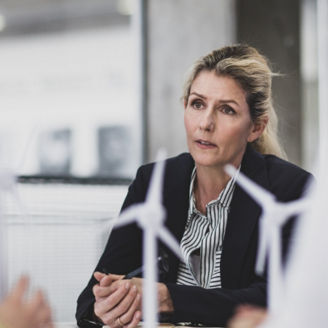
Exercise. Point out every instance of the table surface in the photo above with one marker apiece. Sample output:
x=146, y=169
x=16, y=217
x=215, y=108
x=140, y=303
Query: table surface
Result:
x=73, y=325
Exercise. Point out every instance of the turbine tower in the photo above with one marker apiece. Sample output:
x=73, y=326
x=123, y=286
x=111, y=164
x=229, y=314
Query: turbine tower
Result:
x=273, y=216
x=150, y=216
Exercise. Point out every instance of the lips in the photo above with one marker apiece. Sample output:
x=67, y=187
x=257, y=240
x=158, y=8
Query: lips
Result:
x=205, y=143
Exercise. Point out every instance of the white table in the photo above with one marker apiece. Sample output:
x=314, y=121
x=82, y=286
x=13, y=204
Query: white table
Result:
x=73, y=325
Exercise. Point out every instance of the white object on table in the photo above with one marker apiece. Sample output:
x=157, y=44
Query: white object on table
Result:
x=150, y=216
x=7, y=185
x=274, y=215
x=73, y=325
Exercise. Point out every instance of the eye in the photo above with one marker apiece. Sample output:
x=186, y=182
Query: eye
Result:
x=226, y=109
x=197, y=104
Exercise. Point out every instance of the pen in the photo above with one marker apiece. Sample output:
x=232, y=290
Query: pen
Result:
x=134, y=273
x=138, y=271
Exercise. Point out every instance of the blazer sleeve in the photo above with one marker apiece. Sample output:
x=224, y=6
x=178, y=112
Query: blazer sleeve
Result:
x=213, y=306
x=122, y=253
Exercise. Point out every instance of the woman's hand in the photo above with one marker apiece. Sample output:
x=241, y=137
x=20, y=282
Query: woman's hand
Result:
x=164, y=299
x=18, y=312
x=118, y=301
x=248, y=316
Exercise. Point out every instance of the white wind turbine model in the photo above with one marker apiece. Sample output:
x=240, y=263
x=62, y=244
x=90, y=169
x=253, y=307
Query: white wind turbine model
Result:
x=150, y=215
x=306, y=299
x=8, y=185
x=274, y=215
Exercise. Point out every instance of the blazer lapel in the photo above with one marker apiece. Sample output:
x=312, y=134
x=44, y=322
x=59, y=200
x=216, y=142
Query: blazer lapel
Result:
x=242, y=221
x=176, y=200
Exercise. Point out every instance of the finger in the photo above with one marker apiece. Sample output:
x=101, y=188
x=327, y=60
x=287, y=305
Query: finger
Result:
x=35, y=303
x=138, y=282
x=99, y=275
x=43, y=317
x=43, y=311
x=49, y=325
x=32, y=308
x=95, y=291
x=248, y=319
x=100, y=292
x=122, y=309
x=136, y=319
x=19, y=289
x=246, y=308
x=107, y=289
x=108, y=280
x=128, y=316
x=105, y=305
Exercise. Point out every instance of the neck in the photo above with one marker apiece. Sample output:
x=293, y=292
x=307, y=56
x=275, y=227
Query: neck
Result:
x=208, y=185
x=211, y=181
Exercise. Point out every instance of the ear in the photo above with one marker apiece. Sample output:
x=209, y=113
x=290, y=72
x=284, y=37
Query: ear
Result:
x=257, y=129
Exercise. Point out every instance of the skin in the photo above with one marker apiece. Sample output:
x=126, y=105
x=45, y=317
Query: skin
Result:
x=248, y=317
x=218, y=127
x=18, y=312
x=118, y=301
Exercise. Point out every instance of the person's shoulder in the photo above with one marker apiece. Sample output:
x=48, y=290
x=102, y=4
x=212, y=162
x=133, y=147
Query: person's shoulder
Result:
x=277, y=165
x=181, y=159
x=285, y=178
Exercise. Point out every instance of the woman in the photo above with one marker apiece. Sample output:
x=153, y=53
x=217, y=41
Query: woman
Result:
x=18, y=311
x=229, y=118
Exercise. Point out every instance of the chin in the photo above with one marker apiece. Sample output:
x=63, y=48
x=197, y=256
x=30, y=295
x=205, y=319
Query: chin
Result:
x=206, y=160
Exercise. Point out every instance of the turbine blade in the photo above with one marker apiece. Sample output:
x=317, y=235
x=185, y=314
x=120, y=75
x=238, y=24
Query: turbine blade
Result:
x=155, y=190
x=264, y=241
x=129, y=215
x=168, y=239
x=297, y=206
x=260, y=195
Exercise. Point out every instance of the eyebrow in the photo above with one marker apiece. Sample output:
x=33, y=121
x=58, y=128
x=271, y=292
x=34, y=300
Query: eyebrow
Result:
x=224, y=101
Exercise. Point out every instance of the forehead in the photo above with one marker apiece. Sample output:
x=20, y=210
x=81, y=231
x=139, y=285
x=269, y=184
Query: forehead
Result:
x=208, y=83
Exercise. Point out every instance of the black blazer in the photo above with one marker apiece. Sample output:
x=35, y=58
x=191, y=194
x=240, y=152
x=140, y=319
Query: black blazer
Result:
x=240, y=284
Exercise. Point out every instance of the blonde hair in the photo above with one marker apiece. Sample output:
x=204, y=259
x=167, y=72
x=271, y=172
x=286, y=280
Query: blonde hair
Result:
x=251, y=70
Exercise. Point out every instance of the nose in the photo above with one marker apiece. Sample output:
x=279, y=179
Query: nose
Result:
x=207, y=122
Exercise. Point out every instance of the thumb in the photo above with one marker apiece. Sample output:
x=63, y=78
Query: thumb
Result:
x=99, y=275
x=109, y=279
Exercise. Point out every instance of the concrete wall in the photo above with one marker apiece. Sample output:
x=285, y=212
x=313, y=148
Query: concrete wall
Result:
x=273, y=26
x=309, y=70
x=179, y=31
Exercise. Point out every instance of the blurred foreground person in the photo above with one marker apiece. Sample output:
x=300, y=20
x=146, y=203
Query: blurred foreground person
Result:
x=248, y=317
x=19, y=311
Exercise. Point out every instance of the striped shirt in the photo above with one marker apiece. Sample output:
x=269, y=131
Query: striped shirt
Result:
x=202, y=241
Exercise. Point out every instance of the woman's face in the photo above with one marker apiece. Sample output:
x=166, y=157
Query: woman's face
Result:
x=217, y=121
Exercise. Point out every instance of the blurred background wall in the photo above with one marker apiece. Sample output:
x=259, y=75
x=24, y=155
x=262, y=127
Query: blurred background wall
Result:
x=90, y=90
x=180, y=31
x=97, y=77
